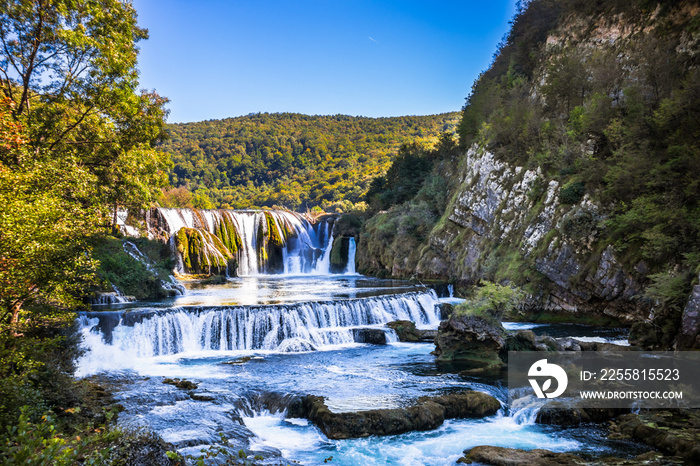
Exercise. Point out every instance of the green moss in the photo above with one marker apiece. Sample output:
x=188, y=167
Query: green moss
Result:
x=183, y=247
x=347, y=225
x=273, y=233
x=132, y=277
x=198, y=249
x=339, y=251
x=228, y=234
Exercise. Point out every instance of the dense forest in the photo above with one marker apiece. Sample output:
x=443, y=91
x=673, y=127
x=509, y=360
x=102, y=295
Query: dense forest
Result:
x=291, y=160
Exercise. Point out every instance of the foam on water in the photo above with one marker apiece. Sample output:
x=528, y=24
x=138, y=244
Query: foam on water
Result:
x=273, y=430
x=140, y=339
x=614, y=341
x=442, y=446
x=520, y=325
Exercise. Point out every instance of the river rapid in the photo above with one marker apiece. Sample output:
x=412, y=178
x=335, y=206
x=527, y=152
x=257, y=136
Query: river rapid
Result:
x=254, y=342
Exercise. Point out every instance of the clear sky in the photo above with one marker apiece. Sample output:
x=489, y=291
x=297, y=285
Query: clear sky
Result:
x=224, y=58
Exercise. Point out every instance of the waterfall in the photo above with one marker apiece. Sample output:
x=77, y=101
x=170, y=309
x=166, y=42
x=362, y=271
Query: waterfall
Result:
x=261, y=242
x=350, y=270
x=110, y=297
x=285, y=327
x=323, y=265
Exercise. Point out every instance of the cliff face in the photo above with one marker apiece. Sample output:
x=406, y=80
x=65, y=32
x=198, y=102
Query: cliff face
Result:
x=579, y=146
x=509, y=223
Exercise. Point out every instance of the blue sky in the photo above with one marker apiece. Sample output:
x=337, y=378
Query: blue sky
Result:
x=217, y=58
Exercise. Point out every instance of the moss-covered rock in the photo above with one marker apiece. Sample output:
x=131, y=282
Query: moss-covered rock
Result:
x=673, y=432
x=347, y=225
x=427, y=414
x=339, y=254
x=274, y=236
x=203, y=253
x=474, y=339
x=226, y=231
x=405, y=330
x=500, y=456
x=183, y=384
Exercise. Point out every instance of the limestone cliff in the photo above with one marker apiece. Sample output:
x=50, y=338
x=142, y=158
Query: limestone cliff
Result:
x=578, y=150
x=498, y=226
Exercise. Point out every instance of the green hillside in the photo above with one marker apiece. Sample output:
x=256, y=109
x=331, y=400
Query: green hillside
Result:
x=288, y=159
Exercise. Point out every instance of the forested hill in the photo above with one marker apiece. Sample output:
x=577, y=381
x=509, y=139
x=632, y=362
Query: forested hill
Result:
x=288, y=159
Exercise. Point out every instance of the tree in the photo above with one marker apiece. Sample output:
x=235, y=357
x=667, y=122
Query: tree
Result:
x=42, y=229
x=76, y=140
x=70, y=69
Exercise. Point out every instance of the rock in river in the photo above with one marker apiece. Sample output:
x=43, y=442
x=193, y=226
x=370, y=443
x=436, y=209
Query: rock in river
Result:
x=470, y=338
x=427, y=414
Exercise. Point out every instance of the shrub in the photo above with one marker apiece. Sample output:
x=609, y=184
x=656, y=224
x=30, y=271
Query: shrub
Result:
x=572, y=192
x=491, y=301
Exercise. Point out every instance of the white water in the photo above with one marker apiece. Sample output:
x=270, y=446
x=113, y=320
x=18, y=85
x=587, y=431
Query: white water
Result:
x=323, y=265
x=520, y=325
x=305, y=252
x=350, y=270
x=116, y=297
x=303, y=442
x=302, y=326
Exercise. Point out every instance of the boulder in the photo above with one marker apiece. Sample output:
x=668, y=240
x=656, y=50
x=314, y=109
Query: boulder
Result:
x=568, y=344
x=183, y=384
x=470, y=338
x=375, y=336
x=446, y=310
x=561, y=413
x=407, y=331
x=673, y=432
x=427, y=414
x=598, y=346
x=513, y=457
x=466, y=404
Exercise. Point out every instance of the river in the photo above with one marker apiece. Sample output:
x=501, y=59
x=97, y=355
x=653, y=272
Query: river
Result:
x=254, y=342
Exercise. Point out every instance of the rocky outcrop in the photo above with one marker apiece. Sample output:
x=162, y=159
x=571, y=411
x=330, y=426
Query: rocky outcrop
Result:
x=499, y=204
x=470, y=338
x=427, y=414
x=673, y=432
x=407, y=331
x=499, y=456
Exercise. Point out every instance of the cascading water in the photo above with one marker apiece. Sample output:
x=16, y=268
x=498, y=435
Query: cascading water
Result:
x=351, y=257
x=290, y=327
x=299, y=331
x=253, y=235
